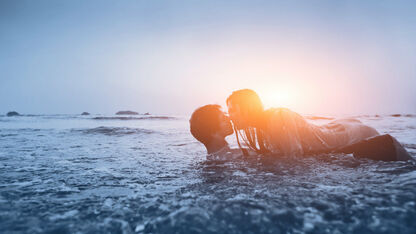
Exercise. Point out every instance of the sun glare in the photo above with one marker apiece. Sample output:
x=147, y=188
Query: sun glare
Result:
x=283, y=96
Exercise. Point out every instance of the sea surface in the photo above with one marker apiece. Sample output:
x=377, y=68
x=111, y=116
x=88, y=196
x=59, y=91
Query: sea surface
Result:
x=146, y=174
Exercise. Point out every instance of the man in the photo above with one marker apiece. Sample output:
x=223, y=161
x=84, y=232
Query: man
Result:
x=209, y=125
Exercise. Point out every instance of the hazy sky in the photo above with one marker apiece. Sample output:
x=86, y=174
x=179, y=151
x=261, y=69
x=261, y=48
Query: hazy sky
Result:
x=169, y=57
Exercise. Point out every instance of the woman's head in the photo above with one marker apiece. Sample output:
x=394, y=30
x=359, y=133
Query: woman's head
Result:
x=244, y=108
x=246, y=111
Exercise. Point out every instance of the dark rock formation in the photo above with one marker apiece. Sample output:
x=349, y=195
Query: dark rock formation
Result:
x=147, y=113
x=127, y=113
x=12, y=113
x=85, y=113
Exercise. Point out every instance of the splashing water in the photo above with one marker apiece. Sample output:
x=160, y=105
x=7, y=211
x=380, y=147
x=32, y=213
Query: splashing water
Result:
x=103, y=174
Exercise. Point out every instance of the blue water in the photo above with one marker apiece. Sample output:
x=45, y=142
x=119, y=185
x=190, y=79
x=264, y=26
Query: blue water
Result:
x=101, y=174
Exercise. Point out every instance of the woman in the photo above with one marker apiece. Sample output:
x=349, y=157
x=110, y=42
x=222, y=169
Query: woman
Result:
x=281, y=131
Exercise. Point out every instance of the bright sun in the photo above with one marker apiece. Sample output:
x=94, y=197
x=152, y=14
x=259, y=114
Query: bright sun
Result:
x=278, y=97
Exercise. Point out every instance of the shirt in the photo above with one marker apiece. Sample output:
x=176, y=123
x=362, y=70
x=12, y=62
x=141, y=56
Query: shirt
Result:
x=291, y=134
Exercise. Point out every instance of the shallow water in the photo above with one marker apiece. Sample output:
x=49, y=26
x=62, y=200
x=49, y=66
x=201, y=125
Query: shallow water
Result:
x=102, y=174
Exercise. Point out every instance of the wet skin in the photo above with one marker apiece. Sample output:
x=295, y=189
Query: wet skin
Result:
x=225, y=125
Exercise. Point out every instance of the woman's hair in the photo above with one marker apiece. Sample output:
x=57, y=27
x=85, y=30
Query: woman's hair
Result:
x=251, y=109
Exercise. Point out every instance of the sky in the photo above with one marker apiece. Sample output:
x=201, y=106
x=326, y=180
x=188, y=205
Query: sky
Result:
x=170, y=57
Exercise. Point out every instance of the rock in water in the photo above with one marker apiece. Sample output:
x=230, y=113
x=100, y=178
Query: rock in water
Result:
x=12, y=113
x=383, y=147
x=127, y=113
x=85, y=113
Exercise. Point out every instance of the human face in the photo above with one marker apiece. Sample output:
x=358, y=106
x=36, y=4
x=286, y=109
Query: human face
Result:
x=225, y=127
x=235, y=116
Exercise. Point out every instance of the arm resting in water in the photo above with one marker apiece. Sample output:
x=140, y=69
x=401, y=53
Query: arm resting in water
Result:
x=381, y=147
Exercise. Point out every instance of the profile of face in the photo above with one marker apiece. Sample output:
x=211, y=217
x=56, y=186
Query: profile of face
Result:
x=209, y=124
x=225, y=128
x=235, y=115
x=244, y=108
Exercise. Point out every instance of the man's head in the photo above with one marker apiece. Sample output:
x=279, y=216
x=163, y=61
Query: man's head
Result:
x=208, y=123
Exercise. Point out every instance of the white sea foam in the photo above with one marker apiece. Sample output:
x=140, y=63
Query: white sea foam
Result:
x=103, y=176
x=65, y=215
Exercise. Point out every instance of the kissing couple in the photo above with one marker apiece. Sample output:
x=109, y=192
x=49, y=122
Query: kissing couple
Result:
x=282, y=132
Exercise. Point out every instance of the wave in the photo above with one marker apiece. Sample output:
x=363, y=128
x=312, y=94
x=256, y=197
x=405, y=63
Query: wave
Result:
x=136, y=118
x=382, y=116
x=4, y=118
x=410, y=146
x=114, y=131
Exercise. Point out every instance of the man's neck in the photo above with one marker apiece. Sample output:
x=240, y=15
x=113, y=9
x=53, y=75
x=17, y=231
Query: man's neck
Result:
x=216, y=145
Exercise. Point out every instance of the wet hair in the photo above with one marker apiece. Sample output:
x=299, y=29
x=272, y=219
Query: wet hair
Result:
x=251, y=109
x=204, y=122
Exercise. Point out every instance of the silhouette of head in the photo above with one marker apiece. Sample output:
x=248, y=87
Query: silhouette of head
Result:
x=244, y=108
x=209, y=122
x=247, y=113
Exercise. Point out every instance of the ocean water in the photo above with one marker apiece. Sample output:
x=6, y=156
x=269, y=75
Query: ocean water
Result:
x=146, y=174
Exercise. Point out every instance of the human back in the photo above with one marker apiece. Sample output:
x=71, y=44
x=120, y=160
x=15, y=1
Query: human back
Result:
x=282, y=131
x=343, y=132
x=287, y=132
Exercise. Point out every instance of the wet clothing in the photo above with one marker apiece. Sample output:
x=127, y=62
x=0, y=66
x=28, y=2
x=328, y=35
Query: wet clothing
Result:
x=291, y=134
